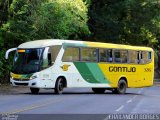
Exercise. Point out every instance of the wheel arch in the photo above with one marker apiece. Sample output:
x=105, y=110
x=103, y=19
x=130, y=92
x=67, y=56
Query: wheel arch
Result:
x=124, y=78
x=64, y=80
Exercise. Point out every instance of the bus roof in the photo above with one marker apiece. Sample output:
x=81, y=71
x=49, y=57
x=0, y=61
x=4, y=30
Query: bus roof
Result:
x=51, y=42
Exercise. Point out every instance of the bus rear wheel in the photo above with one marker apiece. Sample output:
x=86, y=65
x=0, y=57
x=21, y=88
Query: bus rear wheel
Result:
x=59, y=86
x=34, y=90
x=98, y=90
x=121, y=89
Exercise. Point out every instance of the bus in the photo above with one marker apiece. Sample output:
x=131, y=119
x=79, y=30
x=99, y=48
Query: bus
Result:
x=58, y=64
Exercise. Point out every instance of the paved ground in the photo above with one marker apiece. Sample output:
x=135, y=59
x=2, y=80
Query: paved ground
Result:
x=79, y=101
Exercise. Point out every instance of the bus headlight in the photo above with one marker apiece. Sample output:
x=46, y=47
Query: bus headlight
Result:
x=33, y=77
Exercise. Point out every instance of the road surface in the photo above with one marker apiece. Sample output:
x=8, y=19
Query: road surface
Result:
x=81, y=101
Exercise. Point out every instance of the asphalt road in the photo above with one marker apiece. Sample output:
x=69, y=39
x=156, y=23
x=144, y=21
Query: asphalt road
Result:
x=81, y=101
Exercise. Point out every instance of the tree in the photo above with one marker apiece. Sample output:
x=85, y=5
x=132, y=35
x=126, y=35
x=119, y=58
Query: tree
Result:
x=40, y=19
x=4, y=6
x=19, y=26
x=62, y=19
x=27, y=20
x=125, y=21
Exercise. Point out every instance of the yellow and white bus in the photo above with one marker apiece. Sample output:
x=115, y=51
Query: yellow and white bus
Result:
x=58, y=64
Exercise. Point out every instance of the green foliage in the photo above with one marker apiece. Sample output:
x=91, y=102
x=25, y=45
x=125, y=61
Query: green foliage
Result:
x=4, y=6
x=125, y=21
x=87, y=2
x=18, y=29
x=4, y=67
x=40, y=19
x=25, y=20
x=62, y=19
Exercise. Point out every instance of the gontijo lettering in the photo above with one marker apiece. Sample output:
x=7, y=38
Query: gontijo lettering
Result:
x=121, y=69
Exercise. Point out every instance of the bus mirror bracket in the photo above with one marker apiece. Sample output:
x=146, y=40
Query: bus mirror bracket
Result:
x=8, y=51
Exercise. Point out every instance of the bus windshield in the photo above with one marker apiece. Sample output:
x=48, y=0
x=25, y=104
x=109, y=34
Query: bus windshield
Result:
x=27, y=61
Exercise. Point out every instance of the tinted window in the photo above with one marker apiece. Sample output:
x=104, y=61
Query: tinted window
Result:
x=71, y=54
x=89, y=54
x=105, y=55
x=120, y=56
x=52, y=54
x=145, y=57
x=132, y=56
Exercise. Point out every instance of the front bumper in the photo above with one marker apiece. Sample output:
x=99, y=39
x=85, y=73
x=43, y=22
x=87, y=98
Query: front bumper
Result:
x=30, y=83
x=35, y=83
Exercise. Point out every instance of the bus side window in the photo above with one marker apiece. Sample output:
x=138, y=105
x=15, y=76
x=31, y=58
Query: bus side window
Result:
x=133, y=57
x=149, y=55
x=124, y=56
x=71, y=54
x=117, y=56
x=121, y=56
x=51, y=55
x=146, y=57
x=89, y=54
x=102, y=55
x=54, y=53
x=105, y=55
x=141, y=57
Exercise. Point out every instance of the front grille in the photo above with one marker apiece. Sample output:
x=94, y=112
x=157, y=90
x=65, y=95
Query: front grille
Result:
x=16, y=79
x=25, y=84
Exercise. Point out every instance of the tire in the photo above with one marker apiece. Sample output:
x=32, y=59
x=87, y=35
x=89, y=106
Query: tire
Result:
x=122, y=87
x=34, y=90
x=98, y=90
x=59, y=86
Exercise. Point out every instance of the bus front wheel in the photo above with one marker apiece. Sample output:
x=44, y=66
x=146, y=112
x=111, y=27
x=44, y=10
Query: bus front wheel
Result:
x=59, y=86
x=34, y=90
x=98, y=90
x=121, y=89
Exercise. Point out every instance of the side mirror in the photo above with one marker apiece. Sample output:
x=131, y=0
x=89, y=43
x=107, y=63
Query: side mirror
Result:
x=8, y=51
